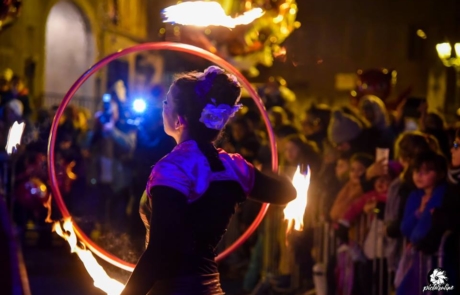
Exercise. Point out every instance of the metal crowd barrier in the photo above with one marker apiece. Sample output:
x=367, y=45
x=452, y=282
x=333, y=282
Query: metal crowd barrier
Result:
x=427, y=264
x=7, y=179
x=326, y=244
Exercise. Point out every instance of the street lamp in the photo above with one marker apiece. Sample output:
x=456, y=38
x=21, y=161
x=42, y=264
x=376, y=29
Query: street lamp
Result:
x=445, y=54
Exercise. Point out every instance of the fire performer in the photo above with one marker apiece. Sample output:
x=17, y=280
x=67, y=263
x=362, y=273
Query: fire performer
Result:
x=193, y=191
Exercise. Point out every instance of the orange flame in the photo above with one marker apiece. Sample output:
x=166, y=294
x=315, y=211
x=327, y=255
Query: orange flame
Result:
x=69, y=171
x=295, y=210
x=99, y=275
x=47, y=205
x=204, y=14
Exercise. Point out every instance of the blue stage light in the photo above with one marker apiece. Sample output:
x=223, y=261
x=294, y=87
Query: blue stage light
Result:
x=106, y=97
x=139, y=105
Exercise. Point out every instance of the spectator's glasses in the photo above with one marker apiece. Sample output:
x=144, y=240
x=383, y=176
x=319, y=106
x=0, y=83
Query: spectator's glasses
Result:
x=455, y=145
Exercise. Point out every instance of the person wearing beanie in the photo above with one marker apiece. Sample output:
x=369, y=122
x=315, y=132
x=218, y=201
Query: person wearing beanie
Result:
x=343, y=129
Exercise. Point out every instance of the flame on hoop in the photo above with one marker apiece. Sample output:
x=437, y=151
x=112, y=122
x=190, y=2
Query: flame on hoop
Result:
x=295, y=210
x=204, y=14
x=98, y=274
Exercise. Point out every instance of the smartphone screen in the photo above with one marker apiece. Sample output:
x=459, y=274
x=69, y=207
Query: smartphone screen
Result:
x=382, y=154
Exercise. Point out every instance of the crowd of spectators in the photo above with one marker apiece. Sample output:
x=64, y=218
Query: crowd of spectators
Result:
x=409, y=200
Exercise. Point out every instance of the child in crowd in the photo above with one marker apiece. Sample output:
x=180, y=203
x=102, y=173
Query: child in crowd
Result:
x=430, y=178
x=352, y=189
x=407, y=146
x=331, y=178
x=344, y=274
x=368, y=202
x=372, y=204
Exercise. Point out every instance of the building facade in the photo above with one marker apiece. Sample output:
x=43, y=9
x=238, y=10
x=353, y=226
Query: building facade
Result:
x=55, y=41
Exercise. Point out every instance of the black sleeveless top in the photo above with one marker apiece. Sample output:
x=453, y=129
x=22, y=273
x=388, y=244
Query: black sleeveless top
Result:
x=210, y=183
x=190, y=197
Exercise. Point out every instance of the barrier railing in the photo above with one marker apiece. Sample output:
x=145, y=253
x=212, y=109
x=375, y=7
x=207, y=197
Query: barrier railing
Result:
x=366, y=233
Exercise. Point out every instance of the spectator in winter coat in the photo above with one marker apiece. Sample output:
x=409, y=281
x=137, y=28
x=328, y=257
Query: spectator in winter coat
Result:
x=407, y=146
x=419, y=221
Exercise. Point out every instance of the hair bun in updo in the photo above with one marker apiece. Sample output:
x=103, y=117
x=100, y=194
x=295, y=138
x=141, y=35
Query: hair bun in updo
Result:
x=195, y=90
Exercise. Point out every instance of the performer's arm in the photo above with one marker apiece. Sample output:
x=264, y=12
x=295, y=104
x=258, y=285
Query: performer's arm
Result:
x=162, y=256
x=274, y=190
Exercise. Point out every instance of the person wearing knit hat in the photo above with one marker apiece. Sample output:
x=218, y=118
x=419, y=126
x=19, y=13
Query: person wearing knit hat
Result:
x=343, y=129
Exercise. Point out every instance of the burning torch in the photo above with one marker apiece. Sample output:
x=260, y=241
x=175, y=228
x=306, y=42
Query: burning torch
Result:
x=14, y=137
x=12, y=144
x=295, y=210
x=294, y=215
x=100, y=277
x=15, y=273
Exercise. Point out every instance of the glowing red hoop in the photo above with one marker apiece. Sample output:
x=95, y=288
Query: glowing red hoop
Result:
x=137, y=48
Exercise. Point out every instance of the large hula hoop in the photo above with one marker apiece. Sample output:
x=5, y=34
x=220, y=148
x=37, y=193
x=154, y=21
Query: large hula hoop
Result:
x=178, y=47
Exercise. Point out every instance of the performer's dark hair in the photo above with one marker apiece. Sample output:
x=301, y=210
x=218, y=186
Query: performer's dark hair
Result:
x=193, y=93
